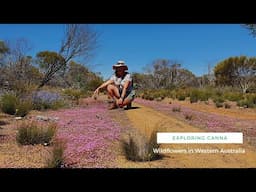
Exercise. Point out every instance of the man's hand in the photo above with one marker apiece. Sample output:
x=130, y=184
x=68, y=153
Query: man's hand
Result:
x=120, y=102
x=96, y=93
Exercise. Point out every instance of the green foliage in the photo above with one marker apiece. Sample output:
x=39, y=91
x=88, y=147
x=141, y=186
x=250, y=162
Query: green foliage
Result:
x=155, y=94
x=249, y=101
x=58, y=105
x=233, y=96
x=23, y=108
x=181, y=94
x=147, y=97
x=3, y=47
x=194, y=96
x=251, y=28
x=176, y=109
x=188, y=116
x=243, y=103
x=51, y=63
x=48, y=59
x=74, y=94
x=80, y=77
x=200, y=95
x=32, y=133
x=181, y=97
x=56, y=159
x=22, y=87
x=227, y=106
x=152, y=144
x=130, y=149
x=218, y=99
x=251, y=98
x=139, y=149
x=217, y=94
x=236, y=71
x=93, y=84
x=205, y=95
x=9, y=103
x=218, y=104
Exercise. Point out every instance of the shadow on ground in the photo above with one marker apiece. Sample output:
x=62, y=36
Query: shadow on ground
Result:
x=131, y=108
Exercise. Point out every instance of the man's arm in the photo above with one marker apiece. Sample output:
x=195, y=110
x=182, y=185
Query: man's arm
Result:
x=103, y=85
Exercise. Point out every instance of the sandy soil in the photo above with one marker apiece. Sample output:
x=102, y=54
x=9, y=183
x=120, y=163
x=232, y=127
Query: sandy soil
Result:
x=146, y=120
x=13, y=155
x=234, y=111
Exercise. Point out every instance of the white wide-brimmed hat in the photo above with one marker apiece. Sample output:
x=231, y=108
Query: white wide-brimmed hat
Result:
x=120, y=64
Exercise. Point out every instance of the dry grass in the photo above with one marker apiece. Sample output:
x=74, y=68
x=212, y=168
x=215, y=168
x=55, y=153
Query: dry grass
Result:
x=13, y=155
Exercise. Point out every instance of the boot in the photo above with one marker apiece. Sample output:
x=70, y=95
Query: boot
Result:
x=129, y=106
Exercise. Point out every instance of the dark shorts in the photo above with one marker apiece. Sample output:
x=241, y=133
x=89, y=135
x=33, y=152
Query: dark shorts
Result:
x=130, y=95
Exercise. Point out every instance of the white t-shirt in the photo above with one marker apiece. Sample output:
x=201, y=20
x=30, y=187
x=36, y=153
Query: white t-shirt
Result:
x=121, y=81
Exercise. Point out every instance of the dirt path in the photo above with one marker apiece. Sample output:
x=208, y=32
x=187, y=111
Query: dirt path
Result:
x=241, y=113
x=146, y=119
x=93, y=134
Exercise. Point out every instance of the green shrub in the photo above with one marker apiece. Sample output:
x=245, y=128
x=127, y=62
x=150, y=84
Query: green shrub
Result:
x=23, y=108
x=194, y=96
x=147, y=96
x=201, y=95
x=74, y=94
x=218, y=92
x=204, y=95
x=188, y=116
x=57, y=105
x=131, y=150
x=218, y=104
x=218, y=99
x=181, y=94
x=171, y=94
x=176, y=109
x=245, y=103
x=181, y=97
x=227, y=106
x=233, y=96
x=9, y=104
x=139, y=149
x=252, y=99
x=56, y=159
x=31, y=133
x=22, y=87
x=152, y=144
x=154, y=94
x=93, y=84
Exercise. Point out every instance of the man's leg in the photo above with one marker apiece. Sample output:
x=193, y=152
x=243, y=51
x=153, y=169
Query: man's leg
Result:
x=128, y=100
x=114, y=94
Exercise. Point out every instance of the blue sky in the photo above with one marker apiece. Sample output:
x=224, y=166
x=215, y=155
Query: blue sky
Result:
x=194, y=46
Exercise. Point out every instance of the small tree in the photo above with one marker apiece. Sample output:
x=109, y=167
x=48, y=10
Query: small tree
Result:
x=251, y=28
x=50, y=63
x=236, y=71
x=4, y=49
x=79, y=41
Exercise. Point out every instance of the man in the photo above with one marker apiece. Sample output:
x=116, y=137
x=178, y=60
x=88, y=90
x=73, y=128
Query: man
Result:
x=119, y=86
